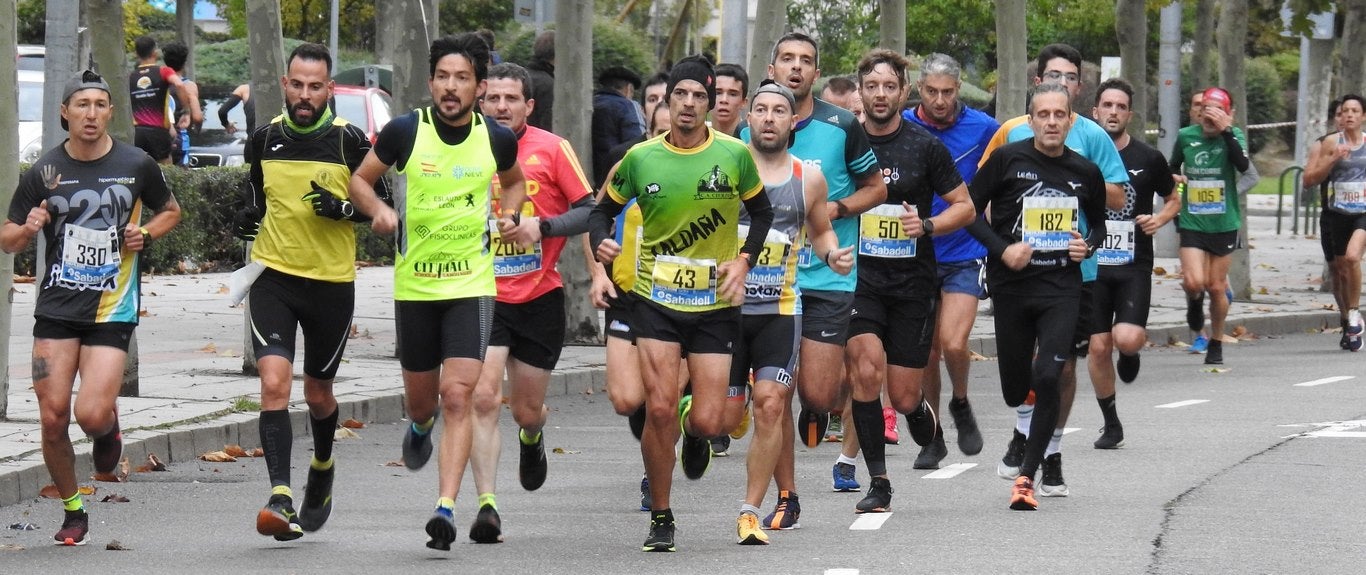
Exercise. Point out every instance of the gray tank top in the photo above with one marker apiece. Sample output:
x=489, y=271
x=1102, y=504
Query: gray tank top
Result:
x=1347, y=181
x=771, y=285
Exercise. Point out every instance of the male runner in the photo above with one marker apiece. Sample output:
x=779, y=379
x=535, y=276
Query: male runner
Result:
x=446, y=156
x=689, y=185
x=892, y=324
x=965, y=131
x=1214, y=154
x=1122, y=291
x=148, y=85
x=528, y=314
x=1037, y=191
x=308, y=247
x=1339, y=162
x=732, y=89
x=770, y=326
x=86, y=197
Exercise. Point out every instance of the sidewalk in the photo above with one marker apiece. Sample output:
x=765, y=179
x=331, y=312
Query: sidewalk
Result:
x=191, y=344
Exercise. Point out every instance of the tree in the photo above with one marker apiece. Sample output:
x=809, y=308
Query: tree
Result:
x=844, y=31
x=573, y=106
x=1232, y=36
x=1351, y=59
x=471, y=15
x=769, y=24
x=1133, y=54
x=111, y=62
x=1011, y=37
x=9, y=179
x=1203, y=45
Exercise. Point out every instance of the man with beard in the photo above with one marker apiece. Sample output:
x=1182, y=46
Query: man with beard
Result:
x=446, y=156
x=306, y=247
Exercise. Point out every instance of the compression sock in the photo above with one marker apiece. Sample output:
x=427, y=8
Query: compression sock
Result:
x=425, y=427
x=869, y=425
x=1107, y=409
x=324, y=433
x=73, y=503
x=446, y=503
x=277, y=439
x=526, y=439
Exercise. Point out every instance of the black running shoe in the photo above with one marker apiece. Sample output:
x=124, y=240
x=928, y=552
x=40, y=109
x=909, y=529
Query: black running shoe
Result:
x=1127, y=367
x=969, y=437
x=931, y=454
x=720, y=446
x=278, y=519
x=811, y=427
x=1195, y=312
x=317, y=498
x=695, y=454
x=106, y=451
x=923, y=424
x=417, y=448
x=1215, y=354
x=75, y=527
x=1053, y=484
x=661, y=537
x=441, y=529
x=532, y=466
x=487, y=526
x=1111, y=436
x=1009, y=467
x=879, y=498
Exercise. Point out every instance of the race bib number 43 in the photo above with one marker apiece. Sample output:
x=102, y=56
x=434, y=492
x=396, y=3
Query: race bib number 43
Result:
x=510, y=259
x=880, y=234
x=90, y=258
x=683, y=281
x=1047, y=223
x=1205, y=197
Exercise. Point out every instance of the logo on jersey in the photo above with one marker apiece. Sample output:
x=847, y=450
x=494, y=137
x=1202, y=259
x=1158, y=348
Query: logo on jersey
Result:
x=51, y=179
x=891, y=175
x=1074, y=185
x=698, y=230
x=715, y=185
x=1031, y=176
x=1136, y=172
x=652, y=188
x=144, y=82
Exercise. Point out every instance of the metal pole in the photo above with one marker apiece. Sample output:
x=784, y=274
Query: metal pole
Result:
x=733, y=37
x=332, y=33
x=1169, y=107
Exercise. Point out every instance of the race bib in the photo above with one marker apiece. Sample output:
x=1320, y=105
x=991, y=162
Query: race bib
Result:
x=1048, y=223
x=510, y=259
x=805, y=255
x=880, y=234
x=683, y=281
x=1205, y=197
x=90, y=258
x=1348, y=197
x=770, y=265
x=1118, y=248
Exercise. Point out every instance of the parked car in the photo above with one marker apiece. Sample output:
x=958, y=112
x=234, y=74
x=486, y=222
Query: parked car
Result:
x=30, y=115
x=30, y=57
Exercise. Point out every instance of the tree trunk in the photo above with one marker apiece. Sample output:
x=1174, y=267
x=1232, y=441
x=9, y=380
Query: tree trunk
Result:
x=410, y=54
x=1201, y=77
x=431, y=10
x=1232, y=38
x=9, y=148
x=573, y=107
x=733, y=31
x=892, y=25
x=110, y=61
x=1012, y=85
x=1352, y=58
x=184, y=23
x=385, y=45
x=266, y=44
x=770, y=22
x=1133, y=55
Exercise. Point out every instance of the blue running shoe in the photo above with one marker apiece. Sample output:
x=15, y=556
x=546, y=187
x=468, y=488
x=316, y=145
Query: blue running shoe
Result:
x=844, y=478
x=1199, y=345
x=441, y=529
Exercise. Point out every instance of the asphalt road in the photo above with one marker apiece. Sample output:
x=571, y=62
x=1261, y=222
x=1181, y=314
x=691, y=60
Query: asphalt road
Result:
x=1255, y=477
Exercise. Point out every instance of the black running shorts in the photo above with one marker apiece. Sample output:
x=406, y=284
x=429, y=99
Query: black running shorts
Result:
x=532, y=331
x=825, y=315
x=618, y=316
x=282, y=303
x=433, y=331
x=712, y=331
x=1120, y=294
x=155, y=141
x=904, y=324
x=1336, y=229
x=1218, y=243
x=768, y=346
x=109, y=334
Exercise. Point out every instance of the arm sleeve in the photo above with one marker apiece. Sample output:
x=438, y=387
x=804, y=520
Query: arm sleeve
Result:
x=155, y=194
x=600, y=220
x=226, y=107
x=1236, y=155
x=760, y=220
x=983, y=185
x=256, y=191
x=858, y=153
x=572, y=222
x=27, y=196
x=504, y=144
x=1175, y=159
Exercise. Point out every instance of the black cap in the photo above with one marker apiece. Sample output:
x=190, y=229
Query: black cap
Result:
x=619, y=73
x=84, y=80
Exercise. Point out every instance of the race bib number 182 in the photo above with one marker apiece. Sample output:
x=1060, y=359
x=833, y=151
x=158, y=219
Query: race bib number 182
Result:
x=1048, y=223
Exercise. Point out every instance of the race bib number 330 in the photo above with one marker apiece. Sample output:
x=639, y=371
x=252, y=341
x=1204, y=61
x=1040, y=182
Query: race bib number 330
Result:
x=90, y=258
x=1047, y=223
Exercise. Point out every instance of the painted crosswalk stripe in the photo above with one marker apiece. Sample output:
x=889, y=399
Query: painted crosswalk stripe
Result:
x=949, y=471
x=1182, y=403
x=841, y=572
x=869, y=522
x=1334, y=379
x=1067, y=430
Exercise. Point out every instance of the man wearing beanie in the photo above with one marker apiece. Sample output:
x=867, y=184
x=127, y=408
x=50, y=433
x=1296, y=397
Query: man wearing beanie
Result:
x=616, y=116
x=690, y=277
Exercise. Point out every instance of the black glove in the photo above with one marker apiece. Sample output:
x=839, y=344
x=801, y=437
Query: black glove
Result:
x=247, y=223
x=327, y=205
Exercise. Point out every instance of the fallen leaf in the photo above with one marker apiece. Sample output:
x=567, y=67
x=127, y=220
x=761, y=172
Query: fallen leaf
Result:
x=1239, y=331
x=223, y=288
x=217, y=457
x=234, y=450
x=344, y=433
x=1226, y=338
x=1263, y=309
x=563, y=451
x=114, y=545
x=144, y=469
x=144, y=313
x=155, y=462
x=353, y=424
x=107, y=477
x=86, y=490
x=1262, y=291
x=1217, y=370
x=393, y=464
x=114, y=498
x=123, y=469
x=258, y=452
x=974, y=356
x=1161, y=271
x=211, y=348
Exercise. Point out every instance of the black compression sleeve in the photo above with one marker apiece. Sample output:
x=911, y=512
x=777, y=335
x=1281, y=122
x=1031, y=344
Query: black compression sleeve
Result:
x=226, y=107
x=1235, y=151
x=600, y=220
x=572, y=222
x=760, y=220
x=982, y=232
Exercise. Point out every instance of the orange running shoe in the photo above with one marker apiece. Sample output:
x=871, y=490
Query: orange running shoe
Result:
x=1022, y=495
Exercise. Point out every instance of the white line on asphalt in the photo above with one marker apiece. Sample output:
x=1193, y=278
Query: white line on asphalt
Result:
x=841, y=572
x=1182, y=403
x=1067, y=430
x=869, y=522
x=950, y=471
x=1334, y=379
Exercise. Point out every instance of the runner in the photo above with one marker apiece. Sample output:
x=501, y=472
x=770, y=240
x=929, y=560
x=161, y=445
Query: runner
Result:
x=308, y=254
x=528, y=315
x=1123, y=288
x=1339, y=162
x=892, y=323
x=148, y=85
x=446, y=156
x=965, y=131
x=768, y=345
x=689, y=185
x=1037, y=190
x=86, y=197
x=1214, y=154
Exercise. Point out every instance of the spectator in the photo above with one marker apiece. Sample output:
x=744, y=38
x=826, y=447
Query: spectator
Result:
x=616, y=117
x=542, y=69
x=148, y=85
x=487, y=35
x=175, y=55
x=840, y=91
x=242, y=95
x=653, y=94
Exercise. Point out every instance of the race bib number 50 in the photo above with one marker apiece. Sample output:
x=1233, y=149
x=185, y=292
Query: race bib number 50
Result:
x=880, y=234
x=1048, y=223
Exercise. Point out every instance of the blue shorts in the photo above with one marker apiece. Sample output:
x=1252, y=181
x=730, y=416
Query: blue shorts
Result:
x=962, y=277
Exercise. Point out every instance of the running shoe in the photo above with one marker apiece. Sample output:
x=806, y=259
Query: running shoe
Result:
x=969, y=437
x=747, y=530
x=317, y=505
x=106, y=451
x=75, y=527
x=743, y=428
x=417, y=447
x=1195, y=312
x=1022, y=495
x=661, y=537
x=720, y=446
x=890, y=434
x=1009, y=467
x=1343, y=343
x=1127, y=367
x=1111, y=436
x=278, y=519
x=879, y=498
x=1199, y=345
x=931, y=454
x=923, y=424
x=441, y=529
x=1053, y=485
x=645, y=501
x=695, y=454
x=845, y=480
x=487, y=526
x=834, y=431
x=786, y=514
x=810, y=425
x=1215, y=354
x=531, y=467
x=1353, y=331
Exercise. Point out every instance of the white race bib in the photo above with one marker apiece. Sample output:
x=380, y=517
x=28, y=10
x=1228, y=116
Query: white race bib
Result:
x=770, y=266
x=1205, y=197
x=1118, y=248
x=1348, y=197
x=510, y=259
x=90, y=258
x=683, y=281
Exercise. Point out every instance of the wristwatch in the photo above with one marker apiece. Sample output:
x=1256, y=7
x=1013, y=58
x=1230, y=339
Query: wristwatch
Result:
x=928, y=225
x=545, y=228
x=146, y=237
x=348, y=210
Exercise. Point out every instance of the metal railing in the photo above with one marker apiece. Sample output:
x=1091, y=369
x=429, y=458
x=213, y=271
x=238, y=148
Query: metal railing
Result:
x=1300, y=197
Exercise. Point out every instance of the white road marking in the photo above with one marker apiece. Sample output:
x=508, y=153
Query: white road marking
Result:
x=1354, y=429
x=841, y=572
x=869, y=522
x=1182, y=403
x=950, y=471
x=1067, y=430
x=1334, y=379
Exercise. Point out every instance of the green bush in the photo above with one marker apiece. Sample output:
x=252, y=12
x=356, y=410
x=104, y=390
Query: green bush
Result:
x=613, y=45
x=1265, y=101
